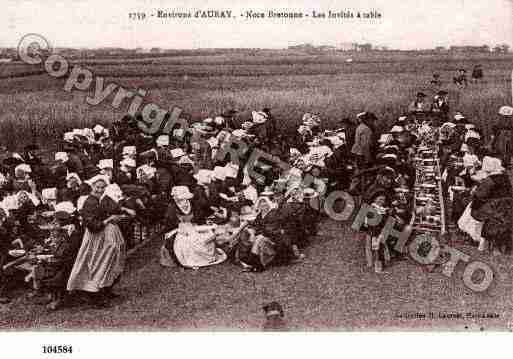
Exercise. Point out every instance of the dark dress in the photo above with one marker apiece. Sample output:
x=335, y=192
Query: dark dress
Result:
x=101, y=258
x=64, y=256
x=201, y=204
x=492, y=204
x=5, y=243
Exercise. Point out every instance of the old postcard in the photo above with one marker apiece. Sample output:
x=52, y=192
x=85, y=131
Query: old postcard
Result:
x=262, y=166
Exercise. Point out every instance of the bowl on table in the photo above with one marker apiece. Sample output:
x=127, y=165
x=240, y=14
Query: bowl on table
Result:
x=17, y=253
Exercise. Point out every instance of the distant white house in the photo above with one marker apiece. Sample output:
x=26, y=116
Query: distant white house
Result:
x=347, y=46
x=5, y=60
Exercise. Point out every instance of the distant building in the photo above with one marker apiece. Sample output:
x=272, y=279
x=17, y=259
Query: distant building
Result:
x=364, y=47
x=302, y=47
x=326, y=48
x=348, y=46
x=155, y=50
x=467, y=49
x=440, y=49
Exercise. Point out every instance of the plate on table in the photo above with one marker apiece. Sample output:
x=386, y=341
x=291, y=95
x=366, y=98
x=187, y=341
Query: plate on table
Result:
x=44, y=257
x=47, y=226
x=47, y=214
x=458, y=188
x=401, y=190
x=17, y=253
x=428, y=185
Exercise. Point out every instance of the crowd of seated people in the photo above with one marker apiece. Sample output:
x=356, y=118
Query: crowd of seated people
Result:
x=208, y=203
x=213, y=202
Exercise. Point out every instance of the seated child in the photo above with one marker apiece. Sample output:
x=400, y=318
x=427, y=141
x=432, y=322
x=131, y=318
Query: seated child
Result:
x=67, y=240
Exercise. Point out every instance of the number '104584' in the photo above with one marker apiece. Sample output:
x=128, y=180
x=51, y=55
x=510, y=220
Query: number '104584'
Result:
x=57, y=349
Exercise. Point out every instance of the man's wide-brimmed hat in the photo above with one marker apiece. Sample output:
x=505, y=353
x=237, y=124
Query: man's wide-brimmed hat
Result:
x=259, y=117
x=273, y=309
x=506, y=111
x=309, y=193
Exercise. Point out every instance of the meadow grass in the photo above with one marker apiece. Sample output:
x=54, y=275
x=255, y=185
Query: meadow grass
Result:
x=37, y=109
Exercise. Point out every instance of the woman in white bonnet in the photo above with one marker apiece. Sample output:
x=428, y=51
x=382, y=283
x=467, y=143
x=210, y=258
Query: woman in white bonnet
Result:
x=494, y=186
x=101, y=258
x=493, y=183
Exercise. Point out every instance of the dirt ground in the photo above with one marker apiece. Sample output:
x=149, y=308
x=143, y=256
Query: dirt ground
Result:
x=331, y=289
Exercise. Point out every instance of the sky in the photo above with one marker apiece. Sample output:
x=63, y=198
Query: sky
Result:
x=405, y=24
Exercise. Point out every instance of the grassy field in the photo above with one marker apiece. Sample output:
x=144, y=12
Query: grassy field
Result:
x=36, y=108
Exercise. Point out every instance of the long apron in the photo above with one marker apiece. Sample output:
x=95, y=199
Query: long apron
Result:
x=100, y=260
x=470, y=225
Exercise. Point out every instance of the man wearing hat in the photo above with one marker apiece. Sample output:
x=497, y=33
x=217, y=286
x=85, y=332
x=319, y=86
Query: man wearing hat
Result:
x=271, y=123
x=461, y=78
x=349, y=128
x=273, y=318
x=70, y=239
x=477, y=73
x=126, y=174
x=202, y=195
x=363, y=141
x=5, y=243
x=501, y=142
x=30, y=156
x=261, y=127
x=435, y=81
x=384, y=181
x=419, y=106
x=440, y=107
x=230, y=119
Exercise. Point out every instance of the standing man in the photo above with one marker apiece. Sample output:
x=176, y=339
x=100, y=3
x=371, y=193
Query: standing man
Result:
x=477, y=74
x=419, y=108
x=230, y=119
x=461, y=78
x=435, y=81
x=362, y=148
x=501, y=142
x=440, y=107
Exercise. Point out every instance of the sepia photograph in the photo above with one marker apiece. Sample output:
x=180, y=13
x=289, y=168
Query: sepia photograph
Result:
x=271, y=166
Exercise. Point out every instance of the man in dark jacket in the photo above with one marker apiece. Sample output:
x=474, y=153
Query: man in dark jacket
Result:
x=440, y=107
x=363, y=145
x=64, y=258
x=5, y=242
x=502, y=138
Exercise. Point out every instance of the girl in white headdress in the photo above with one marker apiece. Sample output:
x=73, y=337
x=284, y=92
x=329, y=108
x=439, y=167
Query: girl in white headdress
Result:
x=493, y=183
x=101, y=259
